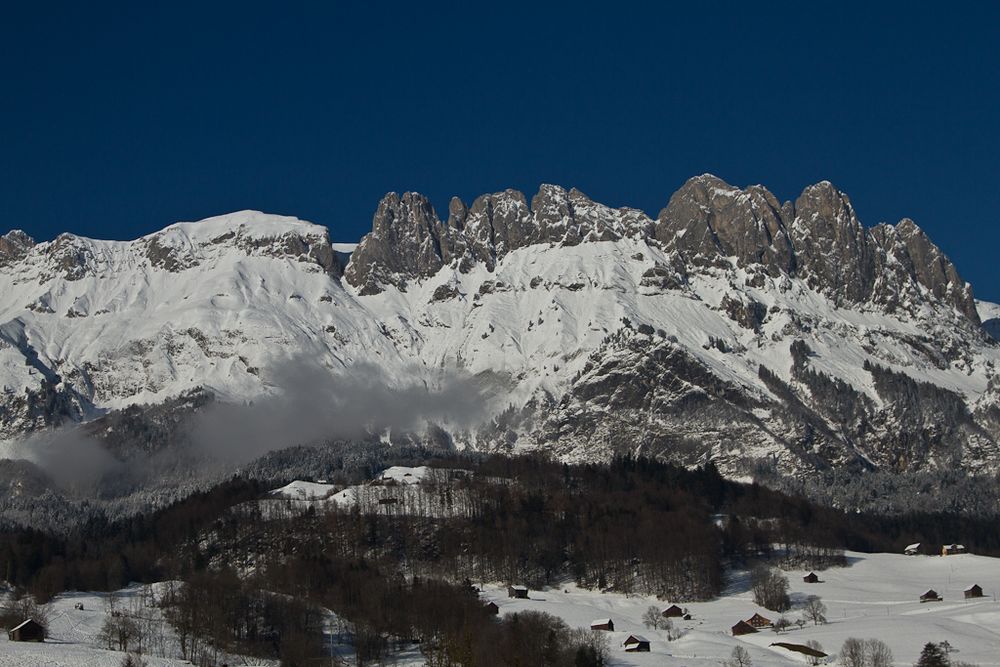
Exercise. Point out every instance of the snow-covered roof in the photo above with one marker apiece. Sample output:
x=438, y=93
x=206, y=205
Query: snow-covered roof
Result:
x=519, y=587
x=24, y=623
x=600, y=621
x=913, y=547
x=971, y=587
x=634, y=639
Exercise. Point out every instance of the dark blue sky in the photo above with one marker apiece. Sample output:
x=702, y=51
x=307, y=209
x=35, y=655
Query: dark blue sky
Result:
x=117, y=119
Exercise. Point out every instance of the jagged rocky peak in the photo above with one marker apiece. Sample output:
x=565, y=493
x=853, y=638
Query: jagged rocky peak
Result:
x=911, y=259
x=498, y=223
x=832, y=248
x=708, y=219
x=14, y=245
x=407, y=240
x=706, y=223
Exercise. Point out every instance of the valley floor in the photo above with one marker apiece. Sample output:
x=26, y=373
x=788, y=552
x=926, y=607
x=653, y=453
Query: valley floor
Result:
x=875, y=597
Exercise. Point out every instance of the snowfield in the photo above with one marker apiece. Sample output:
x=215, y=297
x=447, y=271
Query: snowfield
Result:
x=225, y=303
x=73, y=633
x=875, y=597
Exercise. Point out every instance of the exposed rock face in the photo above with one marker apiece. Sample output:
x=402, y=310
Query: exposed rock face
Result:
x=14, y=245
x=832, y=249
x=409, y=241
x=708, y=220
x=732, y=327
x=706, y=223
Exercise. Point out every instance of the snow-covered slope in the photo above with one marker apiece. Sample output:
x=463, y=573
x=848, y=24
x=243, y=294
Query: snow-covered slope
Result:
x=732, y=327
x=876, y=597
x=989, y=313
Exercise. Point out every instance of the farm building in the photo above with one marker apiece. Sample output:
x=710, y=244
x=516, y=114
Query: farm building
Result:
x=603, y=624
x=953, y=549
x=801, y=648
x=492, y=608
x=636, y=644
x=743, y=628
x=517, y=592
x=811, y=578
x=673, y=611
x=28, y=631
x=913, y=549
x=759, y=621
x=973, y=591
x=930, y=596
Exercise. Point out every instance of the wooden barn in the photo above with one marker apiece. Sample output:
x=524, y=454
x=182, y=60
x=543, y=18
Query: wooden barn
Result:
x=912, y=550
x=930, y=596
x=603, y=624
x=973, y=591
x=759, y=621
x=673, y=611
x=517, y=592
x=28, y=631
x=743, y=628
x=953, y=549
x=636, y=644
x=492, y=608
x=811, y=578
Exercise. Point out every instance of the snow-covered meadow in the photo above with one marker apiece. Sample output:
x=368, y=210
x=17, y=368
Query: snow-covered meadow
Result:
x=876, y=596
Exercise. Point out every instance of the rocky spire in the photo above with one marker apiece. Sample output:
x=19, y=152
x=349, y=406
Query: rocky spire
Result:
x=708, y=219
x=407, y=241
x=833, y=252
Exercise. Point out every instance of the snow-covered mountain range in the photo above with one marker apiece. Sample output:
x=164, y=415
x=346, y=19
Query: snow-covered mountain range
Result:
x=731, y=327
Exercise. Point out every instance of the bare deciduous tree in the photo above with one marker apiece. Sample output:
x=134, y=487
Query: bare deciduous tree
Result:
x=815, y=610
x=770, y=588
x=740, y=657
x=852, y=653
x=877, y=654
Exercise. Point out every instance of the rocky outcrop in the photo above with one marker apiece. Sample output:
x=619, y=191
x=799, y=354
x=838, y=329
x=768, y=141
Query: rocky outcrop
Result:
x=708, y=220
x=14, y=245
x=707, y=223
x=408, y=240
x=833, y=251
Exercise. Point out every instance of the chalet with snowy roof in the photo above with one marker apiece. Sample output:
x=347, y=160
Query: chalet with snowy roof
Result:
x=759, y=621
x=912, y=550
x=973, y=591
x=602, y=624
x=636, y=644
x=953, y=549
x=811, y=578
x=930, y=596
x=743, y=628
x=517, y=592
x=28, y=631
x=673, y=611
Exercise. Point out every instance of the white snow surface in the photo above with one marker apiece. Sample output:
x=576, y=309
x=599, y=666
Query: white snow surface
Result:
x=238, y=306
x=73, y=633
x=876, y=597
x=987, y=310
